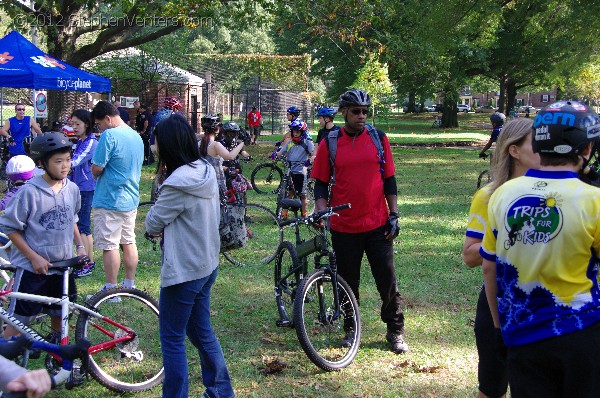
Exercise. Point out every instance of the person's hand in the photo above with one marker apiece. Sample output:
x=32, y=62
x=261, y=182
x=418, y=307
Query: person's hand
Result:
x=392, y=229
x=81, y=251
x=483, y=155
x=36, y=382
x=11, y=141
x=40, y=265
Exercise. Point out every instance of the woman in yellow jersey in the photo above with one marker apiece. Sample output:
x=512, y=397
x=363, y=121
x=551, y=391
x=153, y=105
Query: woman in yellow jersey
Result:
x=512, y=158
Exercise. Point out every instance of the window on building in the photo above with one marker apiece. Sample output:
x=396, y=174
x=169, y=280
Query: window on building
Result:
x=545, y=98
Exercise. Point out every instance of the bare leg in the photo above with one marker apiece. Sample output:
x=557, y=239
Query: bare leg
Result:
x=130, y=259
x=111, y=260
x=88, y=242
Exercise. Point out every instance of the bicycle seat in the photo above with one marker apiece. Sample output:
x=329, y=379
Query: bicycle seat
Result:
x=8, y=267
x=75, y=262
x=291, y=204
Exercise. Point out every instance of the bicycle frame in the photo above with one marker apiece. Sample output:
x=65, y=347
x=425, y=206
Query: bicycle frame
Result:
x=66, y=305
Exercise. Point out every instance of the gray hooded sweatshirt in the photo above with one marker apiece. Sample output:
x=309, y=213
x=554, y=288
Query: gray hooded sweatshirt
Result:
x=187, y=213
x=45, y=218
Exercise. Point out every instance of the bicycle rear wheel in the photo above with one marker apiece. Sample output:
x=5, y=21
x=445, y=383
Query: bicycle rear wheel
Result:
x=331, y=344
x=266, y=178
x=264, y=237
x=285, y=286
x=484, y=178
x=129, y=366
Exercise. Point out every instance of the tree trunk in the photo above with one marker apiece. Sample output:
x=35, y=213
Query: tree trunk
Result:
x=450, y=111
x=511, y=94
x=410, y=107
x=502, y=99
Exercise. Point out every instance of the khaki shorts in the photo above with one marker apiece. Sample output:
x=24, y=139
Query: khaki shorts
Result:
x=112, y=228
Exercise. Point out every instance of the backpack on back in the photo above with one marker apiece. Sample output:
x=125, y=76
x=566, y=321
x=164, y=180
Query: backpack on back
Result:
x=376, y=137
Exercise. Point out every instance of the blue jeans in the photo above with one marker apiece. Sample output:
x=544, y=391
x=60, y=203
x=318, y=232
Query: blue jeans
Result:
x=185, y=309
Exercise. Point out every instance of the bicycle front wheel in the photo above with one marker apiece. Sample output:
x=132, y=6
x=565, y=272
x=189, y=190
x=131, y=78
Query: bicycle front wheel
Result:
x=286, y=285
x=329, y=340
x=131, y=365
x=266, y=178
x=264, y=237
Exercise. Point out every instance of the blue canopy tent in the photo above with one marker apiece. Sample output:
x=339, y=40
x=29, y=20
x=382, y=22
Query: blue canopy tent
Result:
x=23, y=65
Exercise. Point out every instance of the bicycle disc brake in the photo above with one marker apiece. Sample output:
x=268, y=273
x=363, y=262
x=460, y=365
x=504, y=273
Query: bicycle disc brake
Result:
x=129, y=348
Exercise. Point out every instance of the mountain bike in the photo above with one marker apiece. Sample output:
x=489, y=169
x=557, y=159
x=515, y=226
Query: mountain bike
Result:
x=266, y=177
x=286, y=189
x=72, y=360
x=121, y=324
x=325, y=312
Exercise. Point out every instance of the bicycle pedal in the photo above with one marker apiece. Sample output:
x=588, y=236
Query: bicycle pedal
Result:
x=284, y=324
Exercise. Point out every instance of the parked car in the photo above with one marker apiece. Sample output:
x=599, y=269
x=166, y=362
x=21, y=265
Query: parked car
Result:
x=486, y=109
x=430, y=108
x=532, y=109
x=463, y=108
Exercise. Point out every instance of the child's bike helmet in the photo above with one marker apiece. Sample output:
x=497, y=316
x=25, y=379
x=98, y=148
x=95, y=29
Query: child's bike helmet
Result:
x=173, y=103
x=497, y=118
x=298, y=125
x=20, y=168
x=293, y=110
x=564, y=127
x=326, y=112
x=48, y=143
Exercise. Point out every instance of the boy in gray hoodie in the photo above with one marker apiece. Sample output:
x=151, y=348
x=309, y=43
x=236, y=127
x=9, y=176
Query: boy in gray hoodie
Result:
x=41, y=222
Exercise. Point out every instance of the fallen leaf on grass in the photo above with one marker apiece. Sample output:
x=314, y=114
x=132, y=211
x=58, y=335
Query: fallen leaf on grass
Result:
x=428, y=369
x=271, y=366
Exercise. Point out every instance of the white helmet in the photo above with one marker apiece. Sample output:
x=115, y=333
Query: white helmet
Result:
x=20, y=167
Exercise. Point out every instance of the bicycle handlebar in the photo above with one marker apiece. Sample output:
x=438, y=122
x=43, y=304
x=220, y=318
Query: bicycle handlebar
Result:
x=68, y=353
x=313, y=218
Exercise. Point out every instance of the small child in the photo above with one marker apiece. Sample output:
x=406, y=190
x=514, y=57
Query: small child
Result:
x=297, y=151
x=41, y=223
x=19, y=170
x=497, y=120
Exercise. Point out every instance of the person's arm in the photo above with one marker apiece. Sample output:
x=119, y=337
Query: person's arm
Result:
x=491, y=289
x=35, y=127
x=470, y=252
x=145, y=126
x=221, y=151
x=5, y=128
x=78, y=241
x=40, y=264
x=487, y=146
x=97, y=171
x=14, y=378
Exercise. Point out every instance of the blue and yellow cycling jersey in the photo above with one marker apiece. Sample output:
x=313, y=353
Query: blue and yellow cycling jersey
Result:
x=544, y=235
x=478, y=213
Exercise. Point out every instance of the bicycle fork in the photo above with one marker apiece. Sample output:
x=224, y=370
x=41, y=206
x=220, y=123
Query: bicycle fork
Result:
x=325, y=315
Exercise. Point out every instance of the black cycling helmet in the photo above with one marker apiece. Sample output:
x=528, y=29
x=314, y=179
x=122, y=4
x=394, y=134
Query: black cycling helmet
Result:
x=354, y=98
x=231, y=126
x=210, y=121
x=46, y=144
x=497, y=118
x=564, y=127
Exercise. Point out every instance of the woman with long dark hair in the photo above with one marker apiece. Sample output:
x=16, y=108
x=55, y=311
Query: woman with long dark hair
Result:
x=81, y=163
x=187, y=206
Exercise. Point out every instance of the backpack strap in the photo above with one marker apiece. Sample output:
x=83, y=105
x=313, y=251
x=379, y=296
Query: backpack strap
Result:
x=376, y=137
x=303, y=145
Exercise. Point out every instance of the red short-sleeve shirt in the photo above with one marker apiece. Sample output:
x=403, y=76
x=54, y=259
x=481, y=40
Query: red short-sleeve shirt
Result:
x=358, y=181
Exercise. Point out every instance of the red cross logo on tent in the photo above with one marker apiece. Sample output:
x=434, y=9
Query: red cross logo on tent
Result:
x=4, y=58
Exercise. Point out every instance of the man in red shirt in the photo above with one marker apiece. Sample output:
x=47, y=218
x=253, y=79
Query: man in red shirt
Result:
x=254, y=123
x=367, y=182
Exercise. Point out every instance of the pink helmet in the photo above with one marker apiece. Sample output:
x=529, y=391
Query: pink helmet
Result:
x=173, y=103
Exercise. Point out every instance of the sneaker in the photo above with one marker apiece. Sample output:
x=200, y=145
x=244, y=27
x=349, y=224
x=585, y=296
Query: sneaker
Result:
x=110, y=300
x=86, y=270
x=397, y=342
x=348, y=339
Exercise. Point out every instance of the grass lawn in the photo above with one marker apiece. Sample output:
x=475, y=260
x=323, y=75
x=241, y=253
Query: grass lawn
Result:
x=435, y=187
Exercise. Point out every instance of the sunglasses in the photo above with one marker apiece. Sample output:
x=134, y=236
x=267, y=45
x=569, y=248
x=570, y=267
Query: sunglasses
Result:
x=21, y=109
x=356, y=111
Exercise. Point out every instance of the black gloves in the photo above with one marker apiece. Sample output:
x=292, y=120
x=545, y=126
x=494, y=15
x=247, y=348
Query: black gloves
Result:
x=391, y=227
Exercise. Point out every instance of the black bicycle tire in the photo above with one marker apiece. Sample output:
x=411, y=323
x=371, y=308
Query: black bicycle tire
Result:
x=244, y=256
x=128, y=311
x=284, y=189
x=285, y=290
x=257, y=185
x=306, y=330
